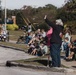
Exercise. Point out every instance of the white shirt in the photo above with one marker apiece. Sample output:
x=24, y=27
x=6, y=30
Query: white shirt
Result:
x=29, y=28
x=45, y=48
x=43, y=34
x=67, y=35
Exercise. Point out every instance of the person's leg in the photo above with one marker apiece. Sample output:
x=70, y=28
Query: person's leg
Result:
x=27, y=40
x=70, y=56
x=62, y=47
x=67, y=52
x=55, y=55
x=33, y=52
x=29, y=50
x=18, y=40
x=58, y=56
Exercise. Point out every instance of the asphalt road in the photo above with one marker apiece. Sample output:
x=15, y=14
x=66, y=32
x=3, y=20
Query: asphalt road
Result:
x=10, y=54
x=21, y=71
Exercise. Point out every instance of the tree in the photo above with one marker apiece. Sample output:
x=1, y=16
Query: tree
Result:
x=71, y=5
x=19, y=20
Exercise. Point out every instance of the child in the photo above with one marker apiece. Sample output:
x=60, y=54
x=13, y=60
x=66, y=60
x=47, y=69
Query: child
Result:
x=31, y=47
x=44, y=48
x=73, y=52
x=66, y=46
x=36, y=49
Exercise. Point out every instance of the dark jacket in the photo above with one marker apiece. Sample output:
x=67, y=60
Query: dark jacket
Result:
x=57, y=31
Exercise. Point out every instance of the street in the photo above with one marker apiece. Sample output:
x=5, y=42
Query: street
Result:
x=11, y=54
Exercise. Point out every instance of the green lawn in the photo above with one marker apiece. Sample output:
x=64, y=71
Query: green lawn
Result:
x=18, y=46
x=13, y=35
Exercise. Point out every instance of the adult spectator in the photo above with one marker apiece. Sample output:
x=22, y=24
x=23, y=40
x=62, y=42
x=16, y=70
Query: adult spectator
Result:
x=43, y=33
x=67, y=35
x=56, y=41
x=29, y=27
x=22, y=38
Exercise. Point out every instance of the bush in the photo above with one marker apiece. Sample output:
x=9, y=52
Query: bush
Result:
x=15, y=26
x=12, y=27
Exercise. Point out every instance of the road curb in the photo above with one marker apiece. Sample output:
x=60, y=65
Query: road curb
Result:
x=44, y=68
x=13, y=48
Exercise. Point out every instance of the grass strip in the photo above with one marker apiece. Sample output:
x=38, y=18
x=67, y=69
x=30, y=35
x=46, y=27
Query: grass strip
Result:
x=18, y=46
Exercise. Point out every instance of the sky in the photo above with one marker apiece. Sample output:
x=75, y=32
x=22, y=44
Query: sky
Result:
x=17, y=4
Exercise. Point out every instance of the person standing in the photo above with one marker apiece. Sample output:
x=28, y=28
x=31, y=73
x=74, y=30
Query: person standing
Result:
x=29, y=28
x=56, y=41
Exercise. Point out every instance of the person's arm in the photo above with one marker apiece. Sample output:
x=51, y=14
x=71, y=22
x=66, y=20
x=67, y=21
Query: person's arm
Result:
x=49, y=22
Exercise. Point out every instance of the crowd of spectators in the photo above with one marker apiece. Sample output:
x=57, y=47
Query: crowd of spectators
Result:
x=69, y=46
x=36, y=40
x=39, y=42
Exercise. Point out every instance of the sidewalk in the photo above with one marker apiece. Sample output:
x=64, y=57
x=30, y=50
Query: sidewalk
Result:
x=70, y=64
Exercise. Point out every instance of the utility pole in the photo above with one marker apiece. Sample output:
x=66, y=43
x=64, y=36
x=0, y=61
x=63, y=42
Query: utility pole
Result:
x=5, y=14
x=0, y=8
x=0, y=13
